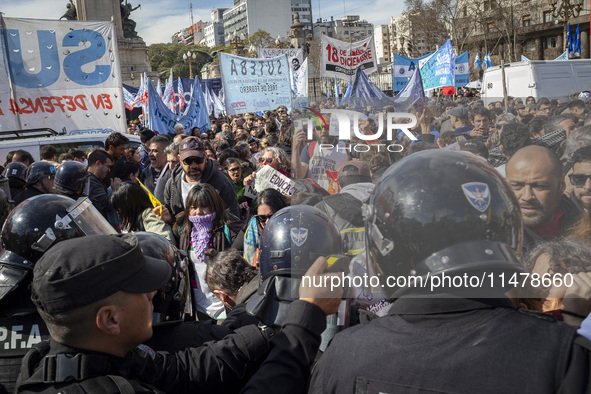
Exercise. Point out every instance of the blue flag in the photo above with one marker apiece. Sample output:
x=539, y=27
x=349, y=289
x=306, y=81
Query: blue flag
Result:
x=524, y=59
x=439, y=70
x=403, y=68
x=337, y=93
x=563, y=56
x=462, y=69
x=345, y=99
x=577, y=40
x=487, y=60
x=477, y=62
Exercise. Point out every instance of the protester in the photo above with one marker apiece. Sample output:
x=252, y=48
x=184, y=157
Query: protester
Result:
x=116, y=144
x=151, y=174
x=100, y=163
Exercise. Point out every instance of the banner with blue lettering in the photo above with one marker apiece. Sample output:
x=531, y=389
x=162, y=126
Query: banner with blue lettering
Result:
x=252, y=85
x=162, y=119
x=60, y=74
x=403, y=69
x=439, y=70
x=462, y=70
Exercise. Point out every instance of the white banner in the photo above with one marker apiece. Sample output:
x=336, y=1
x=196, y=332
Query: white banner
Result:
x=294, y=55
x=269, y=178
x=60, y=74
x=252, y=85
x=341, y=59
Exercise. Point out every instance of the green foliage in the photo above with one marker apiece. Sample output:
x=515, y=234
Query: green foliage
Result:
x=260, y=39
x=163, y=57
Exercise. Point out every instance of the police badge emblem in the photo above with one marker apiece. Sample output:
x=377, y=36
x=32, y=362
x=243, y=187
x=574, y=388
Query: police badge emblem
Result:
x=299, y=236
x=477, y=194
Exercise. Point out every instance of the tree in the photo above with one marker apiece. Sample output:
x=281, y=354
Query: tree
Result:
x=163, y=57
x=259, y=39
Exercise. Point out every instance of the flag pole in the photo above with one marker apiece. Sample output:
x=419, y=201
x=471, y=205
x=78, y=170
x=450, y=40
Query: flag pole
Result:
x=504, y=84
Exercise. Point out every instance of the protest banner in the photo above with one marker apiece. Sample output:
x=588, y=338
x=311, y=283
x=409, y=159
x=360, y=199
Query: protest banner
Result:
x=403, y=68
x=341, y=59
x=269, y=178
x=300, y=86
x=252, y=85
x=294, y=56
x=439, y=70
x=60, y=74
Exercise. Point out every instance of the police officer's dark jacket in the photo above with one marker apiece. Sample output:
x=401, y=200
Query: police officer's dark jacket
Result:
x=218, y=367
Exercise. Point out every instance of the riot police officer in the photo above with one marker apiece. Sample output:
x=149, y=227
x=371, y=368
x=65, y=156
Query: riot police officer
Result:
x=438, y=214
x=40, y=176
x=70, y=179
x=30, y=230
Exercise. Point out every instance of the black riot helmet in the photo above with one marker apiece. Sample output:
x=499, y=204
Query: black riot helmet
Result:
x=4, y=206
x=71, y=177
x=16, y=169
x=169, y=302
x=37, y=224
x=39, y=170
x=441, y=212
x=294, y=238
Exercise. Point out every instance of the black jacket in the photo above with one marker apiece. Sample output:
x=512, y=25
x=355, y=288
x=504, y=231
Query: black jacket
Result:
x=215, y=368
x=27, y=192
x=455, y=345
x=97, y=192
x=173, y=198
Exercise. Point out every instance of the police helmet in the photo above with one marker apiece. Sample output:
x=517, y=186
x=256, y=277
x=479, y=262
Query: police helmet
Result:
x=4, y=206
x=169, y=302
x=16, y=169
x=37, y=224
x=39, y=170
x=294, y=238
x=71, y=176
x=441, y=212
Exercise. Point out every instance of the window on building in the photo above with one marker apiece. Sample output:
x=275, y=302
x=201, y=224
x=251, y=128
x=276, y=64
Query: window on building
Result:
x=525, y=20
x=551, y=42
x=547, y=16
x=369, y=32
x=531, y=46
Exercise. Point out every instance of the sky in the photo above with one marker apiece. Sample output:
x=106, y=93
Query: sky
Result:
x=158, y=20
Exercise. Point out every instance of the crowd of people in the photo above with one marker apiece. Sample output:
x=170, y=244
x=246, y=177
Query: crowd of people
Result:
x=164, y=267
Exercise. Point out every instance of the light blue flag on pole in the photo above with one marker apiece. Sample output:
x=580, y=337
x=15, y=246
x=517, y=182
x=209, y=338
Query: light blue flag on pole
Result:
x=487, y=60
x=439, y=70
x=564, y=56
x=477, y=62
x=337, y=93
x=524, y=59
x=462, y=69
x=345, y=99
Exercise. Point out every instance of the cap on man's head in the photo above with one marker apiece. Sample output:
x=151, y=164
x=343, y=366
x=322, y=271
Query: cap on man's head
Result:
x=354, y=167
x=459, y=112
x=80, y=271
x=191, y=147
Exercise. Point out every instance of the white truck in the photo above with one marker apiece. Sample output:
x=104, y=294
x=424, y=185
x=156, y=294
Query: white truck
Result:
x=554, y=79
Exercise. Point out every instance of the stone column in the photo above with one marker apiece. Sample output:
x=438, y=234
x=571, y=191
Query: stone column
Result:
x=101, y=10
x=539, y=49
x=584, y=44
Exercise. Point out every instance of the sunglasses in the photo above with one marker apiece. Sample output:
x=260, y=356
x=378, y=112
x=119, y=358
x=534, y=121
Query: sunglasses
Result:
x=579, y=180
x=268, y=160
x=263, y=218
x=190, y=160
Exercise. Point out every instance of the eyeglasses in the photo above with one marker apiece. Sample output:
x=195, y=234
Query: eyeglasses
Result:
x=281, y=111
x=235, y=169
x=578, y=180
x=190, y=160
x=263, y=218
x=268, y=160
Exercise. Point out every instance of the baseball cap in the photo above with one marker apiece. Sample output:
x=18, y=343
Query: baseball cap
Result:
x=354, y=167
x=79, y=271
x=191, y=147
x=460, y=112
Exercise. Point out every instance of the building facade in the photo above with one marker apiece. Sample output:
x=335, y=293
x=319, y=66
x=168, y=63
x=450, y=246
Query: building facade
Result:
x=350, y=28
x=275, y=17
x=382, y=41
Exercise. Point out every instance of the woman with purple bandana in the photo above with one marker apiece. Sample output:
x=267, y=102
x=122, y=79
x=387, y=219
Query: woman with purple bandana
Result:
x=206, y=225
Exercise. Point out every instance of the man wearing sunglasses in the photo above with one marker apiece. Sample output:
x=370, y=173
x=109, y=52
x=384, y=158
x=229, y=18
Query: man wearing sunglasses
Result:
x=580, y=178
x=194, y=167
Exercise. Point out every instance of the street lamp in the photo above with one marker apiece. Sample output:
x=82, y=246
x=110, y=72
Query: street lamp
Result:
x=190, y=58
x=566, y=10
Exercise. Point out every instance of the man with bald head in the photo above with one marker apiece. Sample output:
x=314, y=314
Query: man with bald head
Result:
x=535, y=175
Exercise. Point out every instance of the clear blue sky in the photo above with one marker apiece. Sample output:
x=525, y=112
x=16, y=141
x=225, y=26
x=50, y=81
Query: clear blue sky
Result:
x=157, y=20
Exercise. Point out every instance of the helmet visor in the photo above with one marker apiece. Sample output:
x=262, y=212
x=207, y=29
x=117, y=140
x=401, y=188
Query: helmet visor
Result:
x=88, y=218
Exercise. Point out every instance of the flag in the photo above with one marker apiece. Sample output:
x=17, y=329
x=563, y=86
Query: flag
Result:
x=564, y=56
x=345, y=99
x=577, y=42
x=167, y=90
x=208, y=100
x=128, y=99
x=568, y=40
x=524, y=59
x=462, y=69
x=181, y=94
x=477, y=62
x=487, y=60
x=159, y=88
x=328, y=94
x=337, y=94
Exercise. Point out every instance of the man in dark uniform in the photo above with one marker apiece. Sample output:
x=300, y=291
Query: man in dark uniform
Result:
x=40, y=176
x=95, y=295
x=439, y=214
